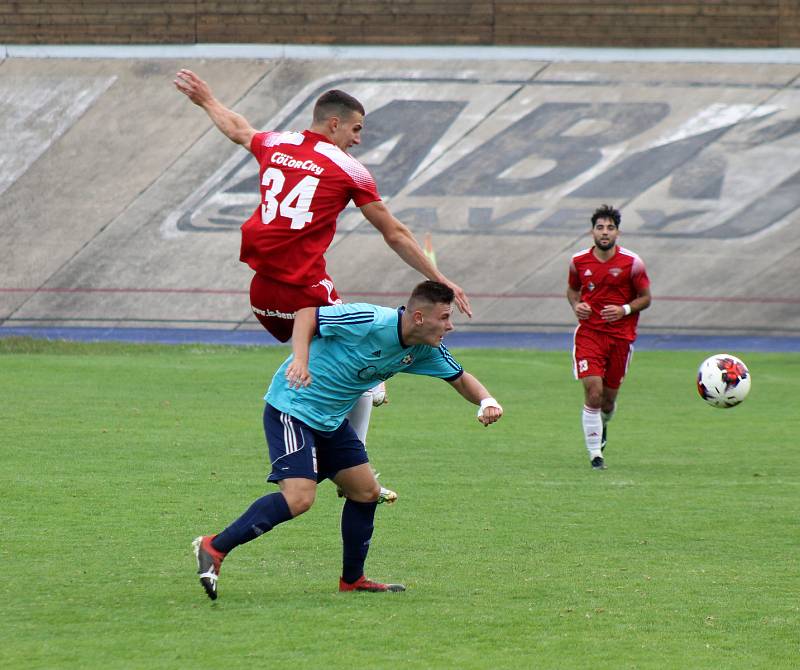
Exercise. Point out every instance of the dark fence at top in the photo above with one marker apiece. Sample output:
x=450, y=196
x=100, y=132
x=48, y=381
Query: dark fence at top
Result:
x=611, y=23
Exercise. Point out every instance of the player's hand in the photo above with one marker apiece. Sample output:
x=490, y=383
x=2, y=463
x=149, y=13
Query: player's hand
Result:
x=612, y=312
x=583, y=310
x=461, y=300
x=194, y=88
x=490, y=414
x=297, y=375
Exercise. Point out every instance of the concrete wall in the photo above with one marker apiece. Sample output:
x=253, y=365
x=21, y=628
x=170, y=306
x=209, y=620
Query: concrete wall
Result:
x=120, y=203
x=612, y=23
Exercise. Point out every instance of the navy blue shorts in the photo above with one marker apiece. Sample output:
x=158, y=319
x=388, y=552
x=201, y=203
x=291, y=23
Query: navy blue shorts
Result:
x=298, y=450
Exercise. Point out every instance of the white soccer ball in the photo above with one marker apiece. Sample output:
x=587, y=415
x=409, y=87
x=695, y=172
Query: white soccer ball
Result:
x=723, y=380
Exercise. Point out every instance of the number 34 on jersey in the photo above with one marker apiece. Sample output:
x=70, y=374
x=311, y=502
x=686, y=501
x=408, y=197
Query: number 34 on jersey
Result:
x=294, y=205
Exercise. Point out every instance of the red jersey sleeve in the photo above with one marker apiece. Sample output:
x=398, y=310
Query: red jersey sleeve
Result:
x=573, y=279
x=639, y=277
x=259, y=144
x=362, y=188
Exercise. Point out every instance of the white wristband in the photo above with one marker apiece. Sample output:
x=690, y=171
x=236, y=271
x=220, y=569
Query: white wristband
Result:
x=626, y=309
x=488, y=402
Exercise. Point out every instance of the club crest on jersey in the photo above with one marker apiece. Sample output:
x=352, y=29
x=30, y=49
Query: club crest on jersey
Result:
x=591, y=286
x=372, y=374
x=407, y=359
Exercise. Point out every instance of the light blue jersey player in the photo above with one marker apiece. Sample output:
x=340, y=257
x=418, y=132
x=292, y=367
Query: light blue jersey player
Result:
x=340, y=351
x=357, y=346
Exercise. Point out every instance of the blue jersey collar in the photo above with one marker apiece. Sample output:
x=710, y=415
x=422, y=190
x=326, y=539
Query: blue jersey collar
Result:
x=400, y=311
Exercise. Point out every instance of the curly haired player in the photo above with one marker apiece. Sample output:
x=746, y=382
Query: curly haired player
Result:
x=607, y=288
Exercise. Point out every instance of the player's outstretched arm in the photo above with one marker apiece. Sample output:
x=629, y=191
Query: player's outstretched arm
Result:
x=305, y=324
x=233, y=125
x=399, y=238
x=469, y=387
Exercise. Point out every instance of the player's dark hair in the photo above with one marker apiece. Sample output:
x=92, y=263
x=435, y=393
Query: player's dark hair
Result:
x=607, y=212
x=336, y=103
x=433, y=292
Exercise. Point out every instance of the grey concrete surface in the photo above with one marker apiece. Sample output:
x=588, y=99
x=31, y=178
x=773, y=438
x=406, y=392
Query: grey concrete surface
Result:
x=120, y=204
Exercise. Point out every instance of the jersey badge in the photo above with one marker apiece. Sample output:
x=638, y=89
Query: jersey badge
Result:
x=615, y=272
x=591, y=286
x=407, y=359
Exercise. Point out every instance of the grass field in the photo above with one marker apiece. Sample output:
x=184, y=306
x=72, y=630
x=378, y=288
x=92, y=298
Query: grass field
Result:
x=683, y=554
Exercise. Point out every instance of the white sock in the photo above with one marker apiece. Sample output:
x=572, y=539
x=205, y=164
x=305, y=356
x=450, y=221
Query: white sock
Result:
x=592, y=430
x=359, y=416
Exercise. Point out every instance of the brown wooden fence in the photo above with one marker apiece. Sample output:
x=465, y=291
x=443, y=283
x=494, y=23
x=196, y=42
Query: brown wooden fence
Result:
x=608, y=23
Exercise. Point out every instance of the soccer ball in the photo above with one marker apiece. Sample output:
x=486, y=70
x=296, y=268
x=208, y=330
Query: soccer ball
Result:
x=723, y=380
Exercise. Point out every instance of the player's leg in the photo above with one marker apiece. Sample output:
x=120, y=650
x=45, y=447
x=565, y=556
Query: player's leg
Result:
x=589, y=368
x=360, y=414
x=291, y=448
x=359, y=420
x=620, y=354
x=345, y=457
x=591, y=419
x=273, y=305
x=607, y=411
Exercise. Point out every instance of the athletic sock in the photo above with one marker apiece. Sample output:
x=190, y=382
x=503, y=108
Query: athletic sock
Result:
x=262, y=516
x=592, y=430
x=359, y=416
x=358, y=522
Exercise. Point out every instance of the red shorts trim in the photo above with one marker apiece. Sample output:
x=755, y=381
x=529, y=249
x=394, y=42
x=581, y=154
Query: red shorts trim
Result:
x=274, y=303
x=597, y=354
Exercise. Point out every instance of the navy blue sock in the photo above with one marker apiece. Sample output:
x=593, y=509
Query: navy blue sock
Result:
x=262, y=516
x=357, y=525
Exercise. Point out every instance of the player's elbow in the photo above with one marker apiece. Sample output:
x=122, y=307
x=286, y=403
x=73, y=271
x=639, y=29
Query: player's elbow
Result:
x=395, y=238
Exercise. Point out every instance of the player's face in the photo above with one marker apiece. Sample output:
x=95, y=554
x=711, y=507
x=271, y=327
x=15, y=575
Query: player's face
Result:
x=436, y=323
x=347, y=131
x=605, y=233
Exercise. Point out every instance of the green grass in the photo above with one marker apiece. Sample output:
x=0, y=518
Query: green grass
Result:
x=683, y=554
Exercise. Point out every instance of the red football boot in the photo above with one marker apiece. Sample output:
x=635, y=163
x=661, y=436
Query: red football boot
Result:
x=364, y=584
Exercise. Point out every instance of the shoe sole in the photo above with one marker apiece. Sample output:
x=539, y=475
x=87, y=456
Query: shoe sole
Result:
x=208, y=582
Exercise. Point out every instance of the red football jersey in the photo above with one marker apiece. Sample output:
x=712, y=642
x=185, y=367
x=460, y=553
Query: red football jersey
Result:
x=616, y=281
x=305, y=184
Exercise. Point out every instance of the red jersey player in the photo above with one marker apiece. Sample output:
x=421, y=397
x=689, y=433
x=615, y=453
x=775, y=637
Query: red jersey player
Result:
x=607, y=288
x=307, y=178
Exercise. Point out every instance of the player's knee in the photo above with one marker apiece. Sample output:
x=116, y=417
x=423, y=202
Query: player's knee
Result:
x=364, y=495
x=299, y=501
x=594, y=399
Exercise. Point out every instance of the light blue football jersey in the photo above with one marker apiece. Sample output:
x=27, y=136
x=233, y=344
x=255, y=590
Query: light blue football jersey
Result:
x=357, y=345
